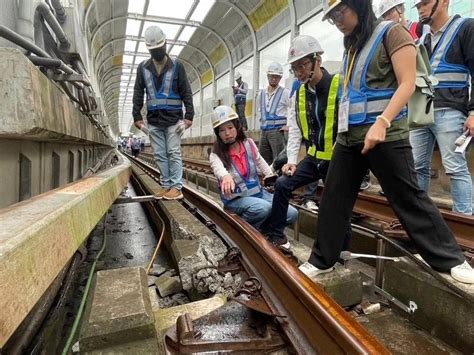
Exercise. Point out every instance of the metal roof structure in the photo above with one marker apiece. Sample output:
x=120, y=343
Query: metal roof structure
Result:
x=208, y=36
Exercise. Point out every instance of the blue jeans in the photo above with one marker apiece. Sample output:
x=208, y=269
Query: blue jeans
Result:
x=166, y=144
x=255, y=210
x=447, y=127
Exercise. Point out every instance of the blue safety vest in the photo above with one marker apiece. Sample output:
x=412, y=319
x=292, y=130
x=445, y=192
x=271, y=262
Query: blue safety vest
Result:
x=241, y=95
x=164, y=98
x=366, y=103
x=245, y=187
x=449, y=75
x=270, y=120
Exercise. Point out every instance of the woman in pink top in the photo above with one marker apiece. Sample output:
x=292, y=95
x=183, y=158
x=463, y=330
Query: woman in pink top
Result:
x=236, y=162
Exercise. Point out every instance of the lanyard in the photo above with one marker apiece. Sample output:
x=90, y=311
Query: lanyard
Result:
x=348, y=73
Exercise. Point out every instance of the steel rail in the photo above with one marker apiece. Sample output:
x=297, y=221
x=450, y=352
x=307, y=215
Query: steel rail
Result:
x=378, y=207
x=314, y=321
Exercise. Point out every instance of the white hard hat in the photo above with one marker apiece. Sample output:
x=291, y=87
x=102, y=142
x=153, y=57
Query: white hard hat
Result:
x=275, y=69
x=302, y=46
x=223, y=114
x=328, y=6
x=385, y=5
x=154, y=37
x=238, y=76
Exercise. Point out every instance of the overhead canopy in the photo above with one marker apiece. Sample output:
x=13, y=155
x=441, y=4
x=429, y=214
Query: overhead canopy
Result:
x=208, y=36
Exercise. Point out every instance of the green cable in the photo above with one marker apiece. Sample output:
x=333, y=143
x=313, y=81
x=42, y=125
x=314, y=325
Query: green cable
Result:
x=86, y=292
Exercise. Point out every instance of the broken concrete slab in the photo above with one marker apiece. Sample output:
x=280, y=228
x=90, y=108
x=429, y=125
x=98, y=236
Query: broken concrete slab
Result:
x=155, y=304
x=439, y=311
x=119, y=310
x=168, y=285
x=157, y=270
x=165, y=318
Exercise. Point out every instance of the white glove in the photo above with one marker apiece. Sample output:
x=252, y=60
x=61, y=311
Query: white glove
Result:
x=181, y=127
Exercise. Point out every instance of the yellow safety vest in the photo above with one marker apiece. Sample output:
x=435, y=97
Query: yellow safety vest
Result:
x=302, y=120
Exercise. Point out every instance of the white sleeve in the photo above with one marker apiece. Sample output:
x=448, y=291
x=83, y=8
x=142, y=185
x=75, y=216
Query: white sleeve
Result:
x=294, y=134
x=217, y=166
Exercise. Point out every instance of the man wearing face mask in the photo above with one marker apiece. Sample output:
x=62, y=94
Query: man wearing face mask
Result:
x=167, y=89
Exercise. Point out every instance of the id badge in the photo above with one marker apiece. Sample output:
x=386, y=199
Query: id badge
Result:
x=343, y=115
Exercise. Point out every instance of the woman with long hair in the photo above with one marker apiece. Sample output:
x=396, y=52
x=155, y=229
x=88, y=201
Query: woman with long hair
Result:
x=235, y=160
x=378, y=77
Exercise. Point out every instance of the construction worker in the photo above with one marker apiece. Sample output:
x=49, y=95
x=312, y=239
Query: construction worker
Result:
x=235, y=161
x=394, y=10
x=312, y=121
x=451, y=48
x=240, y=97
x=377, y=79
x=273, y=106
x=167, y=89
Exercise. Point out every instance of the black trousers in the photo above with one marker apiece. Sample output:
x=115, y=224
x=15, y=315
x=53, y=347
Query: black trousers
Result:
x=240, y=108
x=392, y=164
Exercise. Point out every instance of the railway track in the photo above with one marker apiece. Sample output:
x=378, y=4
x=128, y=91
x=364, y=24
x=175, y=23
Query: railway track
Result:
x=307, y=317
x=377, y=207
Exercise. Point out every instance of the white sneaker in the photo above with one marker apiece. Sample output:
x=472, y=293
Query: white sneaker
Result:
x=463, y=273
x=311, y=271
x=311, y=205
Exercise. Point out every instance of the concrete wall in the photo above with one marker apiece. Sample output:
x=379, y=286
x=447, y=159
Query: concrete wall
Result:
x=38, y=120
x=40, y=155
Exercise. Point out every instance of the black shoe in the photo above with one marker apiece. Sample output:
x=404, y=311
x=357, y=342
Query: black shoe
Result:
x=279, y=240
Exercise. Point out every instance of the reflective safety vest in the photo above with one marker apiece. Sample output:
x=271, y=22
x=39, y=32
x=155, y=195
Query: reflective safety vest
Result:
x=270, y=120
x=164, y=98
x=326, y=132
x=449, y=75
x=241, y=95
x=245, y=187
x=366, y=103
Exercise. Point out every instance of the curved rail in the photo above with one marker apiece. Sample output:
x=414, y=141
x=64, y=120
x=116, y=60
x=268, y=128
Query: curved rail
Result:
x=374, y=206
x=314, y=321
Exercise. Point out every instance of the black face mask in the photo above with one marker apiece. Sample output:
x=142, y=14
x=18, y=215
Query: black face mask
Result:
x=158, y=53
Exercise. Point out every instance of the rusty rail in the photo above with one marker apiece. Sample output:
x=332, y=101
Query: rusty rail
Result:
x=314, y=321
x=377, y=207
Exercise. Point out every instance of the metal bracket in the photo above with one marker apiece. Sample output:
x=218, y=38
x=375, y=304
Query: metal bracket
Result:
x=131, y=199
x=410, y=309
x=249, y=295
x=231, y=262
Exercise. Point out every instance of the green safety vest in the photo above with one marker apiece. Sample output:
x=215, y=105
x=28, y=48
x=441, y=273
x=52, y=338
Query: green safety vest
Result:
x=302, y=120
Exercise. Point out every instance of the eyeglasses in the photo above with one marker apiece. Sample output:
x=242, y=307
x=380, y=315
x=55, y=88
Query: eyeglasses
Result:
x=299, y=67
x=337, y=14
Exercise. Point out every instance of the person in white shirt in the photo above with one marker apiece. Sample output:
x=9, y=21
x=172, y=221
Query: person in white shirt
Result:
x=273, y=106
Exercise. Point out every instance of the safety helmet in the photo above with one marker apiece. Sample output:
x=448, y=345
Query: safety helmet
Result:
x=275, y=69
x=223, y=114
x=238, y=76
x=328, y=6
x=302, y=46
x=385, y=5
x=154, y=37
